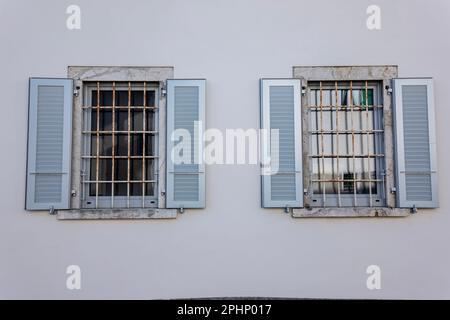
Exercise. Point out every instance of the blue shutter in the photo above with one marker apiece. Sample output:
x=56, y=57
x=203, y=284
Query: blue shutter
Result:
x=415, y=139
x=282, y=180
x=186, y=107
x=49, y=144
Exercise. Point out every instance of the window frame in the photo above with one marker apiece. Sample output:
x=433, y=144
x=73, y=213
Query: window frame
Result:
x=120, y=202
x=81, y=76
x=348, y=200
x=382, y=74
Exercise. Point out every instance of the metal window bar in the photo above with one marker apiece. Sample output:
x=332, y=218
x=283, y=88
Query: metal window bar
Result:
x=118, y=131
x=97, y=163
x=121, y=107
x=101, y=130
x=113, y=142
x=345, y=108
x=144, y=120
x=129, y=144
x=119, y=157
x=322, y=143
x=337, y=141
x=368, y=160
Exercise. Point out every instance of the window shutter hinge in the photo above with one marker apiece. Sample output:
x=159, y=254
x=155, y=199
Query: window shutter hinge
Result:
x=393, y=190
x=76, y=91
x=163, y=89
x=52, y=210
x=388, y=89
x=303, y=92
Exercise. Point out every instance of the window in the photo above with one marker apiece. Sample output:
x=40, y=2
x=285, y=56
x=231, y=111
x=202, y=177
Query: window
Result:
x=97, y=143
x=120, y=145
x=346, y=143
x=350, y=141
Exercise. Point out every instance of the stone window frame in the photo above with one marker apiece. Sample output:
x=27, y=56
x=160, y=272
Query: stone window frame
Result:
x=383, y=74
x=81, y=74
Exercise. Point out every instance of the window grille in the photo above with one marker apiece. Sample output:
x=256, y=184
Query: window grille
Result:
x=120, y=145
x=346, y=143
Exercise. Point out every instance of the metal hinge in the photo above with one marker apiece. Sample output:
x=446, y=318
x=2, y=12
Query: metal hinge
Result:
x=163, y=89
x=388, y=89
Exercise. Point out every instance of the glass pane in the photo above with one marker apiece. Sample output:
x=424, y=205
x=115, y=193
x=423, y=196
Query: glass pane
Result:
x=136, y=169
x=136, y=120
x=122, y=98
x=105, y=98
x=135, y=189
x=105, y=120
x=150, y=115
x=151, y=99
x=104, y=170
x=150, y=144
x=121, y=169
x=121, y=120
x=367, y=97
x=104, y=189
x=121, y=145
x=105, y=145
x=120, y=189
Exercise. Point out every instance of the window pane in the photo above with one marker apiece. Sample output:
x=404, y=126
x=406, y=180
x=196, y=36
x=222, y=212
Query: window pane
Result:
x=352, y=144
x=124, y=143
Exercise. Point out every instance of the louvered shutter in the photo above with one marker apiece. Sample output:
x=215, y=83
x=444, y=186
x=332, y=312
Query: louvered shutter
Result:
x=282, y=180
x=49, y=144
x=186, y=112
x=415, y=138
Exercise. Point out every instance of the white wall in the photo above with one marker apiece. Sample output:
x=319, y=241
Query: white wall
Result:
x=232, y=248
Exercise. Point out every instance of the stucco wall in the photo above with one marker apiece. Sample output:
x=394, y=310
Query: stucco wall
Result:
x=232, y=248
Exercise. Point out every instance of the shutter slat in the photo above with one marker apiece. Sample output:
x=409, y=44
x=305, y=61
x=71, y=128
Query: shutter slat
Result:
x=185, y=106
x=280, y=110
x=49, y=144
x=415, y=143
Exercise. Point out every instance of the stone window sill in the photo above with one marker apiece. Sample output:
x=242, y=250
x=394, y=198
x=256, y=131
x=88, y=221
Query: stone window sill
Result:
x=116, y=214
x=350, y=212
